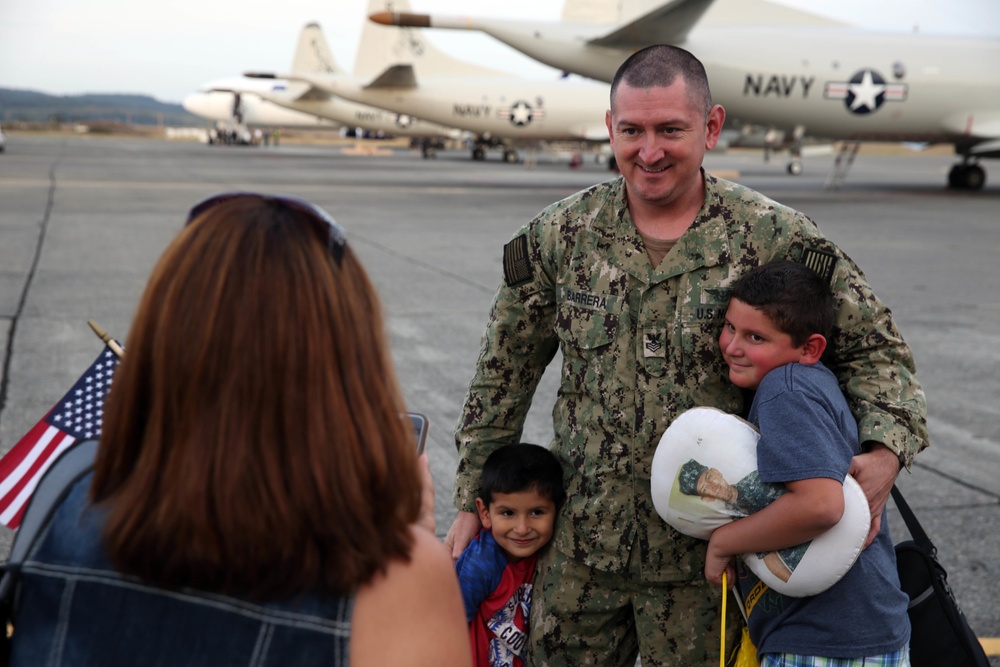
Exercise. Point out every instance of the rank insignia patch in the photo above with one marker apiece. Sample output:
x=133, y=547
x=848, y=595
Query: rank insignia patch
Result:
x=516, y=268
x=822, y=262
x=652, y=344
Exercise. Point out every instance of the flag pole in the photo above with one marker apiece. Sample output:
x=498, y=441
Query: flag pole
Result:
x=106, y=337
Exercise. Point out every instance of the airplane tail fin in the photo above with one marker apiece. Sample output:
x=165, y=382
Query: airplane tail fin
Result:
x=312, y=53
x=381, y=47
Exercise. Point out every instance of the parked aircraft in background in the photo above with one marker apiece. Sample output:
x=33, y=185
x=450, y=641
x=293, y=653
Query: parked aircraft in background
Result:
x=501, y=111
x=255, y=101
x=781, y=67
x=238, y=99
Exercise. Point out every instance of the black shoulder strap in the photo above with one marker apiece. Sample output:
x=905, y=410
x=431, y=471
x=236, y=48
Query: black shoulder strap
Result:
x=910, y=519
x=64, y=472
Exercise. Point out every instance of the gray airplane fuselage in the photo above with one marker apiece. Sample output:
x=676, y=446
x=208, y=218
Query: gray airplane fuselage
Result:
x=838, y=83
x=513, y=109
x=351, y=114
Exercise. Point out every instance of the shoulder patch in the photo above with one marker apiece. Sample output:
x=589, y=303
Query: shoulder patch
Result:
x=516, y=267
x=822, y=262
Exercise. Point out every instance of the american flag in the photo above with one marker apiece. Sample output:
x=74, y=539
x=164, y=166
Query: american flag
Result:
x=78, y=416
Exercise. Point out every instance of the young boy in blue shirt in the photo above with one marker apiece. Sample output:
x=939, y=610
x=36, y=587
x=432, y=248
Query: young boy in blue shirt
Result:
x=779, y=319
x=521, y=490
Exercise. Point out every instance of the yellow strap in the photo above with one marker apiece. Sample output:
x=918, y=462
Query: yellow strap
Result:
x=722, y=648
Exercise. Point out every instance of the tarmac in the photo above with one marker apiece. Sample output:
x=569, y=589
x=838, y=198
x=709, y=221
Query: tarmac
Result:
x=84, y=219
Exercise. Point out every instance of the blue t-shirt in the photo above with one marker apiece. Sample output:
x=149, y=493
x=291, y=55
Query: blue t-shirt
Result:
x=807, y=431
x=497, y=596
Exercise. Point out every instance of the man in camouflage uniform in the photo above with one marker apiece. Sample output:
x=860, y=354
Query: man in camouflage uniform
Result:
x=630, y=280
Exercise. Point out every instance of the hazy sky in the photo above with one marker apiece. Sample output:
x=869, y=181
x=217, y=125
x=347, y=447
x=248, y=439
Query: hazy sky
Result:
x=168, y=49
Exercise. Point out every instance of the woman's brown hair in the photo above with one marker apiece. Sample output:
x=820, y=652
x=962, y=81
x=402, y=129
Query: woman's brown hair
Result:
x=253, y=442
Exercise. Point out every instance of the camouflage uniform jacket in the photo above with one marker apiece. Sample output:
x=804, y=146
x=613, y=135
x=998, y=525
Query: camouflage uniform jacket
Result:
x=640, y=345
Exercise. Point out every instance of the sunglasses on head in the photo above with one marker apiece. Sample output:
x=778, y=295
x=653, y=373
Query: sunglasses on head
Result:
x=335, y=237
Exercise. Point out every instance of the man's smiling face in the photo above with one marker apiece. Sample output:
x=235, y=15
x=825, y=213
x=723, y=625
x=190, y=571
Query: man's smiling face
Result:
x=659, y=136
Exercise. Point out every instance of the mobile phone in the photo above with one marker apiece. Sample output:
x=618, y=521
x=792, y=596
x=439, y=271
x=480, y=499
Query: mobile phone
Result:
x=420, y=428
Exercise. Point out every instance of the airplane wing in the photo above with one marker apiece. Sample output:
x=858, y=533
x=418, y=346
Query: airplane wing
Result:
x=987, y=149
x=981, y=126
x=671, y=22
x=309, y=93
x=313, y=94
x=722, y=12
x=396, y=76
x=668, y=23
x=311, y=79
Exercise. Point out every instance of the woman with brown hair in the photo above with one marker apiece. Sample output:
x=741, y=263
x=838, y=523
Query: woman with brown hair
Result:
x=256, y=487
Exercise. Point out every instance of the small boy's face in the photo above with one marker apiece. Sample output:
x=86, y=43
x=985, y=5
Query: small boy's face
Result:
x=521, y=522
x=753, y=346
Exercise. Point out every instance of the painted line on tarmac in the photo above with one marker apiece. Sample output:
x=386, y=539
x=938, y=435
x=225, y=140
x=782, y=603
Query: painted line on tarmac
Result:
x=200, y=186
x=193, y=186
x=991, y=645
x=127, y=185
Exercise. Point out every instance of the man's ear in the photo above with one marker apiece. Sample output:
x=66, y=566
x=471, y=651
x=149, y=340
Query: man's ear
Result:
x=813, y=349
x=716, y=118
x=484, y=513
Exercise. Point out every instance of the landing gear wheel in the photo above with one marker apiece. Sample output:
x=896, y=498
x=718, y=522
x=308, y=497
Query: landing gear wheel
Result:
x=967, y=177
x=955, y=177
x=794, y=167
x=478, y=154
x=975, y=177
x=510, y=156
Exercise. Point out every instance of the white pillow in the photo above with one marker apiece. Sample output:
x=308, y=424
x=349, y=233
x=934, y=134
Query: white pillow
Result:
x=709, y=451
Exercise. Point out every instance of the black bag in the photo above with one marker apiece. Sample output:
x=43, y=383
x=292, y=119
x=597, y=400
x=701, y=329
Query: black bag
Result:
x=62, y=474
x=940, y=635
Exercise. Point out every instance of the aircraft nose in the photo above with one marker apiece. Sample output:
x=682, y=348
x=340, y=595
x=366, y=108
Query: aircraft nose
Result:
x=202, y=104
x=194, y=103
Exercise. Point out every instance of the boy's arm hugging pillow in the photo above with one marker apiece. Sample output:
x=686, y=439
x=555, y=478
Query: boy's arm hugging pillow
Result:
x=705, y=475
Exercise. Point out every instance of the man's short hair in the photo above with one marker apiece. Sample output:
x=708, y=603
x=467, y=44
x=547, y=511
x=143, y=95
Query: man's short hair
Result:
x=795, y=298
x=659, y=66
x=522, y=467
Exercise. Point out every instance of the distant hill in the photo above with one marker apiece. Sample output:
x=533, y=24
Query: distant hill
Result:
x=32, y=106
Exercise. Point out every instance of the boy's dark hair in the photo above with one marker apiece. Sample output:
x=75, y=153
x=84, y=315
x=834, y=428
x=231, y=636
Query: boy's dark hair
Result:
x=793, y=296
x=522, y=467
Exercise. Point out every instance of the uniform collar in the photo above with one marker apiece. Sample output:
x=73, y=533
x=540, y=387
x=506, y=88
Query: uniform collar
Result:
x=704, y=244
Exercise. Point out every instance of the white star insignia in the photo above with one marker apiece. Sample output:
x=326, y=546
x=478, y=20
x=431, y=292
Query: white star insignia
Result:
x=866, y=92
x=520, y=114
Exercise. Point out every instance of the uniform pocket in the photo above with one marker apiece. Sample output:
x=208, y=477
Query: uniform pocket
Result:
x=585, y=328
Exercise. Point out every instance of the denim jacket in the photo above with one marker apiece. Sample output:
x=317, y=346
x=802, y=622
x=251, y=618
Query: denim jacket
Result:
x=73, y=608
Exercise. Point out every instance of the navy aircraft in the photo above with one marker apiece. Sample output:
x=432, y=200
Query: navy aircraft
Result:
x=236, y=100
x=414, y=79
x=789, y=71
x=294, y=104
x=242, y=101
